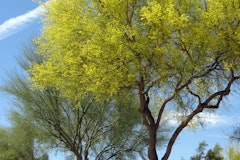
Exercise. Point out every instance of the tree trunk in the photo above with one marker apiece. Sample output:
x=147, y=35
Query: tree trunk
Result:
x=76, y=153
x=152, y=154
x=79, y=157
x=148, y=121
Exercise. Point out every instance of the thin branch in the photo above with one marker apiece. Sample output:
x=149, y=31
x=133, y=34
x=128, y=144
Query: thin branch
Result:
x=179, y=129
x=194, y=94
x=224, y=92
x=199, y=109
x=162, y=109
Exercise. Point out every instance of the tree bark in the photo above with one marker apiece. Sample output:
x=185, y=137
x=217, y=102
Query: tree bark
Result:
x=148, y=121
x=178, y=131
x=79, y=157
x=152, y=154
x=76, y=153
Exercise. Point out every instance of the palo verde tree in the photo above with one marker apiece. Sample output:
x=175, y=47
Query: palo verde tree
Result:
x=85, y=127
x=185, y=52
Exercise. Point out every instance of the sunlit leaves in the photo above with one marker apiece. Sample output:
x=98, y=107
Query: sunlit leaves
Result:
x=106, y=46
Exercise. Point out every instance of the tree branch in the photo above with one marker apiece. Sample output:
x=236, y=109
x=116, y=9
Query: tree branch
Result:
x=179, y=129
x=162, y=109
x=199, y=109
x=146, y=113
x=194, y=94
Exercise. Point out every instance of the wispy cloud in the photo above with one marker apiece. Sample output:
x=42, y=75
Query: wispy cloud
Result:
x=214, y=119
x=16, y=24
x=209, y=119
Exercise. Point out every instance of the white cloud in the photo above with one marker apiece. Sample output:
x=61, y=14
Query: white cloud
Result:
x=214, y=119
x=16, y=24
x=211, y=119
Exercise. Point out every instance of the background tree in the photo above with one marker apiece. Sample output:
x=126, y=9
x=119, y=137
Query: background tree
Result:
x=200, y=151
x=186, y=52
x=86, y=127
x=212, y=154
x=19, y=141
x=233, y=152
x=215, y=153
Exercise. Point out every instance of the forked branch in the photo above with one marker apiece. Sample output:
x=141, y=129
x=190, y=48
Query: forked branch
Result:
x=206, y=104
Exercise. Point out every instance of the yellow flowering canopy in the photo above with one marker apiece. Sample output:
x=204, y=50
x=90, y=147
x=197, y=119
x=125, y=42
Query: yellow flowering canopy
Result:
x=107, y=46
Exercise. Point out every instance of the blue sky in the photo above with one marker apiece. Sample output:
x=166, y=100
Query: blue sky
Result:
x=20, y=20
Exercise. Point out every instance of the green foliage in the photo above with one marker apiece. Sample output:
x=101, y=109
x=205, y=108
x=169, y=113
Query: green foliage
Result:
x=212, y=154
x=200, y=151
x=86, y=127
x=106, y=46
x=185, y=51
x=233, y=152
x=19, y=140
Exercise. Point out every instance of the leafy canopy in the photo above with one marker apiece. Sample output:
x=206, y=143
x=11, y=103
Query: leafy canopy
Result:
x=46, y=118
x=107, y=46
